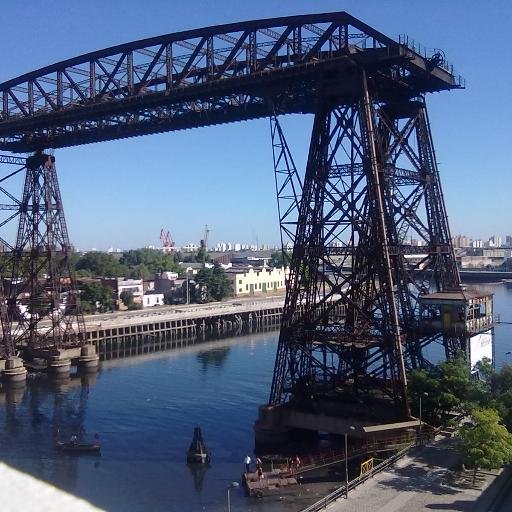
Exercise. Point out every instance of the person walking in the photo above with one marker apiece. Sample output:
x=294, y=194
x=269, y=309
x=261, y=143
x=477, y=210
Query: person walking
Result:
x=259, y=468
x=247, y=462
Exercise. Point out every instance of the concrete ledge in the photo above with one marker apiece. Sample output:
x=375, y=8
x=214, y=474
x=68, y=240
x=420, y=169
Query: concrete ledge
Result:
x=23, y=492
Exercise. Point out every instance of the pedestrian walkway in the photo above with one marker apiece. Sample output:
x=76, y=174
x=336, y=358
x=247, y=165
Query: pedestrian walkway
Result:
x=427, y=479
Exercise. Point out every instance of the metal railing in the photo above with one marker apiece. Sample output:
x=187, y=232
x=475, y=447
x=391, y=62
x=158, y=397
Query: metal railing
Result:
x=341, y=491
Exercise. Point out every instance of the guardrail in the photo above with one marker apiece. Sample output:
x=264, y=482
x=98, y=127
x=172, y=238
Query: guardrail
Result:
x=341, y=491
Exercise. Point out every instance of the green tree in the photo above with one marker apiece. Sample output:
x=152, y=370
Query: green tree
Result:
x=202, y=256
x=127, y=298
x=449, y=389
x=501, y=389
x=503, y=403
x=280, y=259
x=93, y=293
x=501, y=382
x=101, y=264
x=423, y=384
x=211, y=284
x=147, y=262
x=484, y=441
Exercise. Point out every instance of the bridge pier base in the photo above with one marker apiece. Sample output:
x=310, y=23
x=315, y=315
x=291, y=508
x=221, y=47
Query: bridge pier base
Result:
x=269, y=429
x=12, y=370
x=279, y=424
x=58, y=366
x=89, y=359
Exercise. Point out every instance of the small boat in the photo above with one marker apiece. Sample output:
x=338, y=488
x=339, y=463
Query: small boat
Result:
x=76, y=447
x=197, y=453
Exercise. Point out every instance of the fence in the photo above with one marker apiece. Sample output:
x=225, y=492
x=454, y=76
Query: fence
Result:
x=341, y=491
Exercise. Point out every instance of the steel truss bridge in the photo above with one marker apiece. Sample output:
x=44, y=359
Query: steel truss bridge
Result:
x=370, y=184
x=208, y=76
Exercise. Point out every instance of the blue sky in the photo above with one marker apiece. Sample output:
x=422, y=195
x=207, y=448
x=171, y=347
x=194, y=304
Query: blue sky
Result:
x=121, y=193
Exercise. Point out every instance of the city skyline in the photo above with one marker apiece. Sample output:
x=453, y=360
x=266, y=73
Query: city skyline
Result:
x=122, y=193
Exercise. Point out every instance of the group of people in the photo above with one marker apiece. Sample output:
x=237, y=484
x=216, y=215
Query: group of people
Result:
x=259, y=466
x=294, y=464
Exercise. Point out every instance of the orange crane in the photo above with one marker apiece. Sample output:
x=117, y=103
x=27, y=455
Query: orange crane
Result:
x=167, y=241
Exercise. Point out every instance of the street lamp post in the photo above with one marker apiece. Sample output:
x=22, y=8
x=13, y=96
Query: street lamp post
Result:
x=421, y=423
x=232, y=485
x=346, y=461
x=188, y=293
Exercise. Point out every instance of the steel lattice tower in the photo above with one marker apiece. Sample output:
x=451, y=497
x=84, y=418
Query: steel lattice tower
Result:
x=371, y=184
x=44, y=302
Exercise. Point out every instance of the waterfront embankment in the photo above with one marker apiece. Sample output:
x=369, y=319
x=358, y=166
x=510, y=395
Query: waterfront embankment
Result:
x=429, y=478
x=188, y=320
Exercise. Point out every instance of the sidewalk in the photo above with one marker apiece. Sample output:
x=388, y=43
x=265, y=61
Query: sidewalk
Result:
x=428, y=479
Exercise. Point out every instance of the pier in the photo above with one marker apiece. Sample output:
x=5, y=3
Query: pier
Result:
x=175, y=322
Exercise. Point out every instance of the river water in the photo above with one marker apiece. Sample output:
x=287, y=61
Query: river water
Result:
x=145, y=409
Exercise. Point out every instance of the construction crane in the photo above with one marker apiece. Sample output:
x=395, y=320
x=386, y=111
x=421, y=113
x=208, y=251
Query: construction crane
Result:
x=167, y=241
x=204, y=242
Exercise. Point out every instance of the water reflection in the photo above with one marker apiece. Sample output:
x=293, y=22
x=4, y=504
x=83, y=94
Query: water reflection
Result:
x=212, y=358
x=198, y=472
x=145, y=408
x=35, y=414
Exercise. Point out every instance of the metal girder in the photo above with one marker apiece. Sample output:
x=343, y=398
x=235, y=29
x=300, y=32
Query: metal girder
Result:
x=43, y=301
x=370, y=235
x=13, y=160
x=140, y=87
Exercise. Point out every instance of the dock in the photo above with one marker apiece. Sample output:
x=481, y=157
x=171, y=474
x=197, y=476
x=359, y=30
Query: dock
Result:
x=211, y=319
x=272, y=480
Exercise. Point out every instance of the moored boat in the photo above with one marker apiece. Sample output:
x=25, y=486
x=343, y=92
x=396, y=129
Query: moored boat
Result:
x=78, y=448
x=197, y=452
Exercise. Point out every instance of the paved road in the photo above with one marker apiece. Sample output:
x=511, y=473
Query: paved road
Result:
x=503, y=502
x=421, y=483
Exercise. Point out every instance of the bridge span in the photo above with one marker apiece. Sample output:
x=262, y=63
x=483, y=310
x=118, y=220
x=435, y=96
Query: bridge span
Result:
x=371, y=183
x=208, y=76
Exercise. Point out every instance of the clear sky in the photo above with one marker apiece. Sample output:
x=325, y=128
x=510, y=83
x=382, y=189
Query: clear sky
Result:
x=122, y=193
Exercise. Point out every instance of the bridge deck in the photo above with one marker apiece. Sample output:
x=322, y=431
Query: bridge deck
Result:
x=209, y=76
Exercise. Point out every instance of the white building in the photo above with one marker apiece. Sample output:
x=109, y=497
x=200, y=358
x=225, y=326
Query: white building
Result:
x=495, y=241
x=190, y=247
x=120, y=285
x=257, y=281
x=152, y=299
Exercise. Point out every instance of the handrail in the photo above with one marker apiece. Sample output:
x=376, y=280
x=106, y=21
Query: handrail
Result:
x=341, y=491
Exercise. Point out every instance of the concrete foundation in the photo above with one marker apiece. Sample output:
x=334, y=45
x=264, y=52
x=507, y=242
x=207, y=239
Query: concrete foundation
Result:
x=59, y=367
x=13, y=370
x=277, y=424
x=89, y=359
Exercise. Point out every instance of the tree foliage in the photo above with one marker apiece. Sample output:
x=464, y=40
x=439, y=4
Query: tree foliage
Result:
x=280, y=259
x=202, y=256
x=137, y=263
x=145, y=263
x=211, y=284
x=127, y=298
x=445, y=389
x=100, y=264
x=93, y=294
x=484, y=441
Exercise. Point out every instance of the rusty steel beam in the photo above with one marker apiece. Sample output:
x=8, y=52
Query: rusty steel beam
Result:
x=206, y=76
